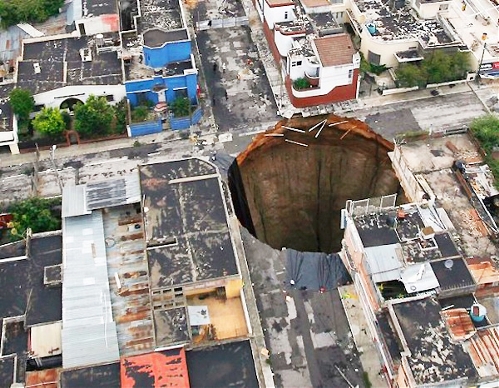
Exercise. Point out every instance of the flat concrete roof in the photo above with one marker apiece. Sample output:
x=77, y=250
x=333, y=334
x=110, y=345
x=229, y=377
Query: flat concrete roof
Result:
x=22, y=281
x=186, y=228
x=434, y=358
x=61, y=64
x=227, y=365
x=99, y=376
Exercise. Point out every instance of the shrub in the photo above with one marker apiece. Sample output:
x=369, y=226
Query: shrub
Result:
x=22, y=102
x=39, y=214
x=301, y=83
x=140, y=113
x=49, y=122
x=94, y=118
x=181, y=107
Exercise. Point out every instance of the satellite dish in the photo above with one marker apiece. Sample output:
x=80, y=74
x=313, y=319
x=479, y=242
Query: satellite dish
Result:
x=449, y=263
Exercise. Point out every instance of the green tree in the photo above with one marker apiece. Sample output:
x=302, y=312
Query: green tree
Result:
x=36, y=213
x=181, y=107
x=437, y=67
x=301, y=83
x=33, y=11
x=121, y=109
x=93, y=118
x=486, y=130
x=49, y=122
x=22, y=103
x=409, y=75
x=459, y=65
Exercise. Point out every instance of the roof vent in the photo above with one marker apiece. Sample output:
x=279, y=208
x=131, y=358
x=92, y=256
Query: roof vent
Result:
x=52, y=275
x=86, y=55
x=36, y=68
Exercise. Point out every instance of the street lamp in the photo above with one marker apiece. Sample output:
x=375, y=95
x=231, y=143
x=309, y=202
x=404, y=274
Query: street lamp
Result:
x=484, y=39
x=52, y=159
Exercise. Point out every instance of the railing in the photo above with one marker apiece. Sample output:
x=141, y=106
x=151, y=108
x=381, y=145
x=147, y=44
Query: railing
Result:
x=177, y=123
x=146, y=128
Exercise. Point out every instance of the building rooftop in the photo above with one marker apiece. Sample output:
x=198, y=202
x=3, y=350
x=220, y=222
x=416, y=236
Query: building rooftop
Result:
x=279, y=3
x=160, y=14
x=47, y=378
x=324, y=23
x=483, y=349
x=89, y=333
x=165, y=368
x=136, y=69
x=433, y=355
x=98, y=376
x=8, y=369
x=156, y=37
x=22, y=279
x=433, y=166
x=335, y=50
x=394, y=20
x=82, y=199
x=411, y=244
x=452, y=274
x=97, y=7
x=171, y=326
x=227, y=365
x=186, y=228
x=55, y=63
x=128, y=279
x=5, y=109
x=315, y=3
x=482, y=270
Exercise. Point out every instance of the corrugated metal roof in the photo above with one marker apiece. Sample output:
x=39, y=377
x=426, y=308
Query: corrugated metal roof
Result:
x=10, y=43
x=113, y=192
x=73, y=201
x=89, y=333
x=384, y=262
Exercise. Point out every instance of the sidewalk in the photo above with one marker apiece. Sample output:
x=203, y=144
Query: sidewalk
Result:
x=358, y=325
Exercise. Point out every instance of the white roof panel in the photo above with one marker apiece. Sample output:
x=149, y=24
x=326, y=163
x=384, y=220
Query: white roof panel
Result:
x=384, y=262
x=89, y=332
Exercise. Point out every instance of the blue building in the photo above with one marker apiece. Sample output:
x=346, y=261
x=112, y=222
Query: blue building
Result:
x=157, y=55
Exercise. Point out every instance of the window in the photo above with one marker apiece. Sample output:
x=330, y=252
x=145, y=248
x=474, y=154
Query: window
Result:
x=443, y=7
x=373, y=58
x=286, y=15
x=180, y=93
x=295, y=63
x=109, y=97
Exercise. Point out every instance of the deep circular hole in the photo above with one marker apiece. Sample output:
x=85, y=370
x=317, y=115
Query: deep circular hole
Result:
x=291, y=195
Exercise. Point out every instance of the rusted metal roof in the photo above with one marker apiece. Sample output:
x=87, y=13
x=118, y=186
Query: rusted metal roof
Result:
x=483, y=270
x=47, y=378
x=459, y=323
x=159, y=369
x=484, y=351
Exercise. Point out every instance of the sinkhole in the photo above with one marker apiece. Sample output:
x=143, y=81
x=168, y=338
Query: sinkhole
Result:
x=290, y=184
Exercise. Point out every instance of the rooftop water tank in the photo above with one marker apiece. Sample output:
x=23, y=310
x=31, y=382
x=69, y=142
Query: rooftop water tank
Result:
x=371, y=27
x=478, y=312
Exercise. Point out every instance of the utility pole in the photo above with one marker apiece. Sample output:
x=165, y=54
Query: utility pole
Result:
x=52, y=159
